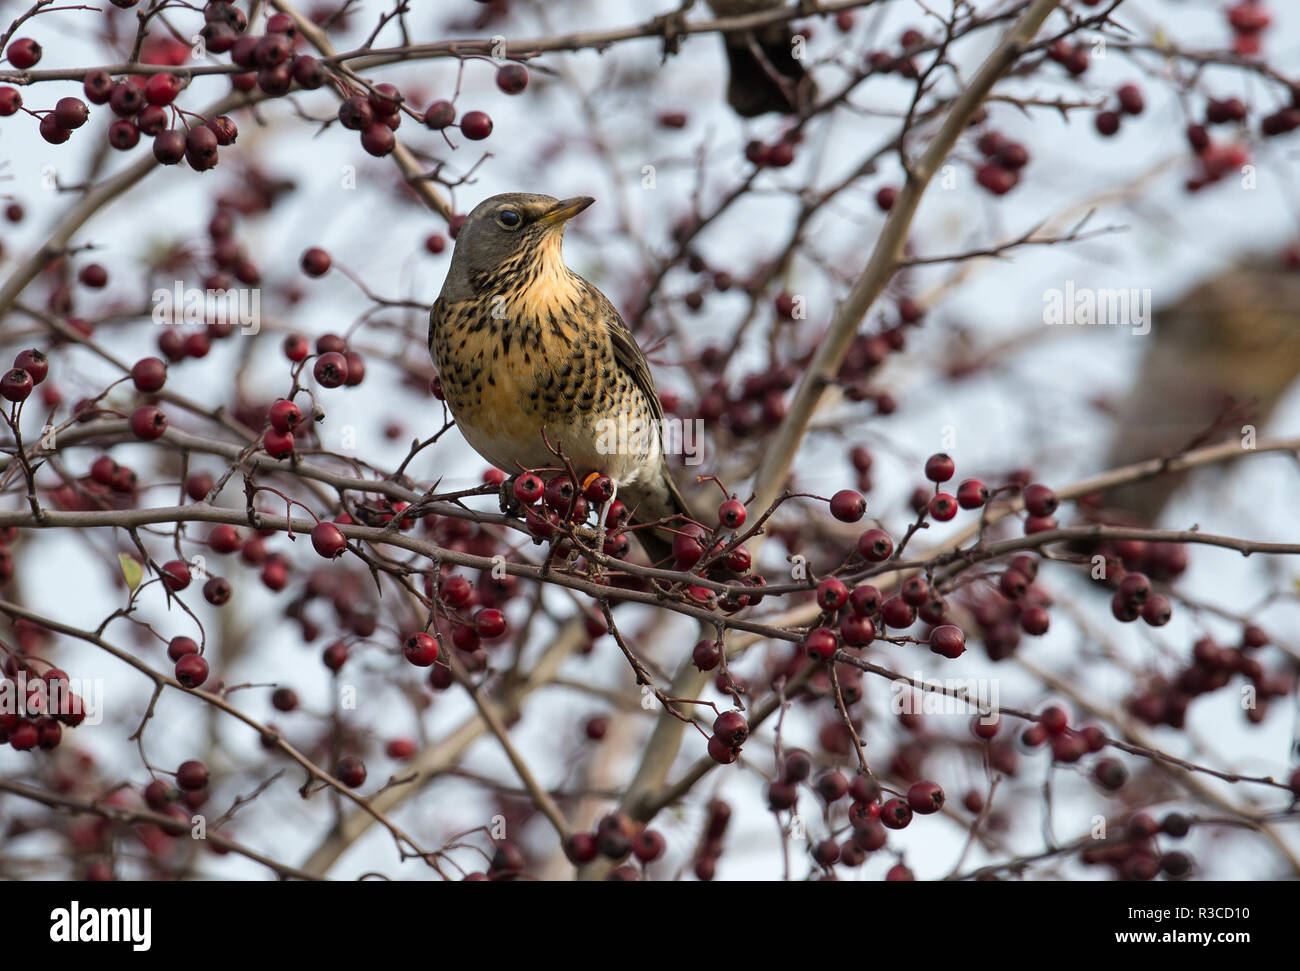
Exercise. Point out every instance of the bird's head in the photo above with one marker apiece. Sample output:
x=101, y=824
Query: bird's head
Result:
x=506, y=232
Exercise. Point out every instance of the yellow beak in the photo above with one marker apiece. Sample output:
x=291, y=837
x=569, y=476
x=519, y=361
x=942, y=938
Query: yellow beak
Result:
x=566, y=210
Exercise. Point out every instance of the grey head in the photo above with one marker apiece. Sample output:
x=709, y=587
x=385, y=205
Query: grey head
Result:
x=506, y=227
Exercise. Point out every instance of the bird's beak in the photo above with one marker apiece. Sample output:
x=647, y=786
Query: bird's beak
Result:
x=562, y=212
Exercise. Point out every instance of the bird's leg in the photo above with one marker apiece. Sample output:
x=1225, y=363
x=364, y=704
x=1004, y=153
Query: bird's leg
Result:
x=604, y=512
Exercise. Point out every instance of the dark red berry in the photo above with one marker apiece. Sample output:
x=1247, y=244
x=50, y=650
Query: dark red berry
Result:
x=192, y=670
x=476, y=125
x=148, y=422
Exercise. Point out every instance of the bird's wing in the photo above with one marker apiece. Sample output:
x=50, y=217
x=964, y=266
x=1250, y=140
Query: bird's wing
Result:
x=627, y=353
x=629, y=356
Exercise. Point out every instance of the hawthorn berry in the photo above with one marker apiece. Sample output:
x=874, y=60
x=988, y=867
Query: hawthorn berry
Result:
x=16, y=385
x=731, y=727
x=23, y=53
x=512, y=78
x=216, y=591
x=278, y=444
x=925, y=797
x=175, y=574
x=832, y=594
x=942, y=507
x=191, y=775
x=439, y=115
x=420, y=649
x=331, y=370
x=475, y=125
x=721, y=751
x=169, y=147
x=897, y=613
x=10, y=101
x=948, y=640
x=706, y=655
x=328, y=540
x=148, y=422
x=939, y=467
x=848, y=506
x=820, y=643
x=350, y=771
x=972, y=494
x=731, y=514
x=149, y=374
x=857, y=631
x=192, y=670
x=865, y=600
x=875, y=545
x=895, y=814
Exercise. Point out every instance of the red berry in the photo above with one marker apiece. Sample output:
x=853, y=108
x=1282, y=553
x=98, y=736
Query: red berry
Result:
x=176, y=574
x=1040, y=501
x=832, y=594
x=706, y=655
x=939, y=467
x=895, y=814
x=52, y=131
x=377, y=139
x=731, y=514
x=149, y=374
x=169, y=147
x=148, y=422
x=972, y=494
x=489, y=623
x=857, y=631
x=328, y=540
x=943, y=507
x=192, y=775
x=284, y=415
x=1106, y=123
x=192, y=670
x=216, y=591
x=648, y=845
x=296, y=348
x=180, y=646
x=421, y=649
x=886, y=196
x=331, y=370
x=722, y=752
x=925, y=797
x=731, y=727
x=476, y=125
x=278, y=444
x=875, y=545
x=16, y=385
x=356, y=113
x=848, y=506
x=1157, y=611
x=70, y=113
x=897, y=613
x=439, y=115
x=10, y=101
x=820, y=643
x=1130, y=99
x=315, y=262
x=350, y=771
x=865, y=600
x=23, y=53
x=512, y=78
x=162, y=89
x=948, y=640
x=225, y=539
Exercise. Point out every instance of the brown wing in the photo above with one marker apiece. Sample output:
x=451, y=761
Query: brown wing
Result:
x=629, y=356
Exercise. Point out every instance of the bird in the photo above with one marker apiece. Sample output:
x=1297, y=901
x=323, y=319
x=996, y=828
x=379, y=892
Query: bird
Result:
x=530, y=353
x=1217, y=358
x=773, y=79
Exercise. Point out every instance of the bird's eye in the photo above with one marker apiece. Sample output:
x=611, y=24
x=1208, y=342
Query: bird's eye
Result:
x=509, y=218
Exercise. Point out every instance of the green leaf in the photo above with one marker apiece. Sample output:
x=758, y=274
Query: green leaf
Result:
x=132, y=571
